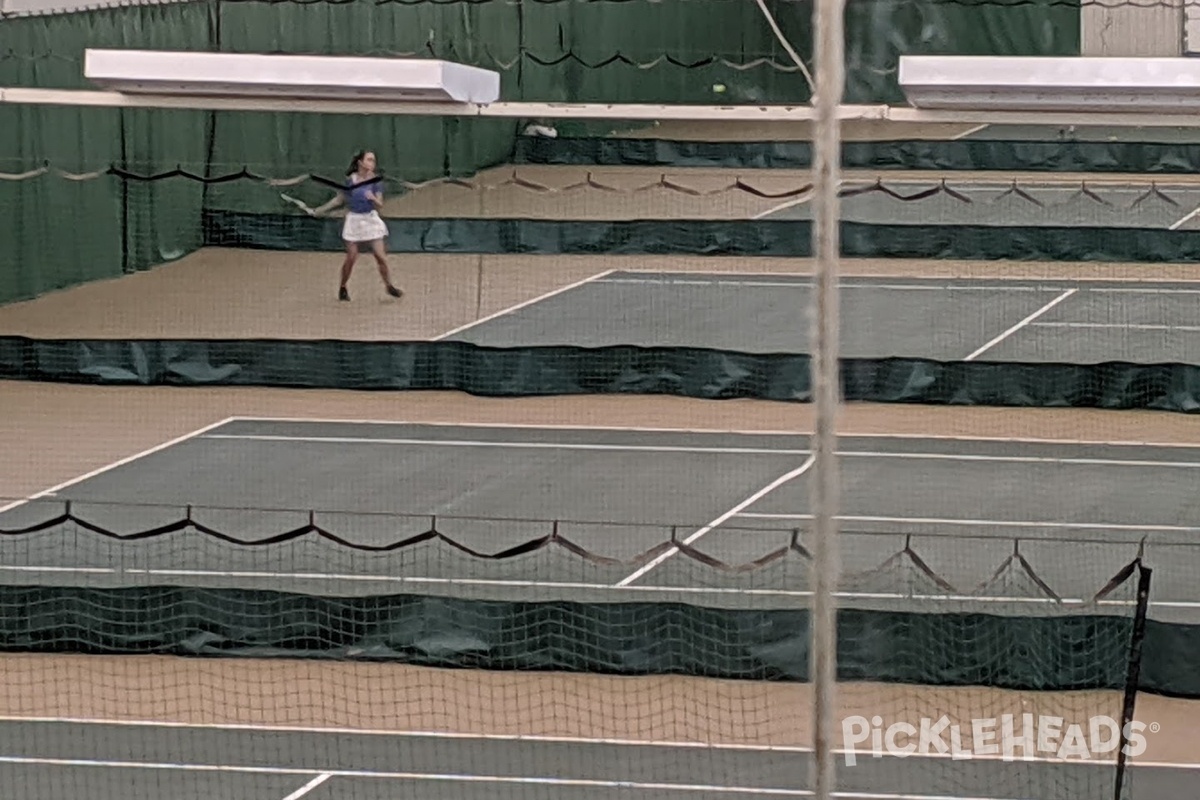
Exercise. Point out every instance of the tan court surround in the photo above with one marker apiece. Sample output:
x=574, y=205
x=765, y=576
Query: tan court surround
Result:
x=60, y=432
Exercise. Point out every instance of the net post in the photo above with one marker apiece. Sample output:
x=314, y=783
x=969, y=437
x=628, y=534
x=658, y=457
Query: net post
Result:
x=829, y=62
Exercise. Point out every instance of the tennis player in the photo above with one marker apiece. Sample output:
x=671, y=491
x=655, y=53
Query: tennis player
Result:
x=363, y=225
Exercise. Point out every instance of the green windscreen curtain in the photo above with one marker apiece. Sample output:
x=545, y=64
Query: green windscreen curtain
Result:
x=654, y=52
x=55, y=232
x=409, y=148
x=645, y=52
x=572, y=50
x=163, y=217
x=878, y=32
x=60, y=231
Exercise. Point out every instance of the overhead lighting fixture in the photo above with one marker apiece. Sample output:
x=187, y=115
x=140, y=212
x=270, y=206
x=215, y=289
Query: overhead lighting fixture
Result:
x=277, y=76
x=1072, y=83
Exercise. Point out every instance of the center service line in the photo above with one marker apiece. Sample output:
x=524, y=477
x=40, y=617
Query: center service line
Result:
x=721, y=520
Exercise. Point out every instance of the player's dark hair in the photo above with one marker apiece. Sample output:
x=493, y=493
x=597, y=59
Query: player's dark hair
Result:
x=358, y=157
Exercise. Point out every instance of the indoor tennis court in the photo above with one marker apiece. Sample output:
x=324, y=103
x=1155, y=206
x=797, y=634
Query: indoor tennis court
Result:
x=722, y=490
x=617, y=494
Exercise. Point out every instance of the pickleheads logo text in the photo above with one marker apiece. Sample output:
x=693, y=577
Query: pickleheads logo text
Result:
x=1009, y=737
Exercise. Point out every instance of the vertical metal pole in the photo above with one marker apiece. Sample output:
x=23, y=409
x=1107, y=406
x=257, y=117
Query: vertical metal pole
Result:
x=830, y=70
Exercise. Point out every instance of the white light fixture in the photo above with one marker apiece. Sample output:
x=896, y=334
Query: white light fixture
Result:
x=278, y=76
x=1072, y=83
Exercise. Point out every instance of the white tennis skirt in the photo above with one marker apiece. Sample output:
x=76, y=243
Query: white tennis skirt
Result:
x=366, y=227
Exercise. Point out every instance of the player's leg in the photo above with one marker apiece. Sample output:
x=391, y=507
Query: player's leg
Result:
x=379, y=250
x=347, y=268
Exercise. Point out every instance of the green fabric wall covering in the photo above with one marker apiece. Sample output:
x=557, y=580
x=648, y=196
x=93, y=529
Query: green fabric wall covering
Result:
x=566, y=370
x=880, y=31
x=59, y=232
x=567, y=51
x=763, y=237
x=599, y=51
x=638, y=52
x=162, y=218
x=411, y=148
x=1176, y=158
x=1029, y=653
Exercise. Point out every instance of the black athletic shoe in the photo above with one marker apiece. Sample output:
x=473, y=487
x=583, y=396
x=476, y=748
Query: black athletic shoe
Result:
x=393, y=291
x=343, y=293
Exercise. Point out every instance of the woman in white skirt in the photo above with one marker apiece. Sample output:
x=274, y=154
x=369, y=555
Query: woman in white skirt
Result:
x=363, y=198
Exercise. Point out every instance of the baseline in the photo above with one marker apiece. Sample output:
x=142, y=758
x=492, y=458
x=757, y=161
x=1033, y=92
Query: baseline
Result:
x=538, y=426
x=519, y=444
x=668, y=744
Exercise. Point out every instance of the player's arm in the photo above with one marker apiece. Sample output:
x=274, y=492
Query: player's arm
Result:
x=338, y=199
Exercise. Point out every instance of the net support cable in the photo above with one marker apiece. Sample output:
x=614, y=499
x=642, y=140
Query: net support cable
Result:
x=791, y=51
x=830, y=69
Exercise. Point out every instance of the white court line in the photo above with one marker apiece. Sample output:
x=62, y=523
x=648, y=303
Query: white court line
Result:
x=511, y=309
x=530, y=426
x=1127, y=290
x=931, y=285
x=848, y=273
x=120, y=463
x=535, y=426
x=497, y=583
x=1020, y=324
x=513, y=445
x=749, y=501
x=916, y=283
x=1184, y=219
x=796, y=201
x=987, y=523
x=1113, y=325
x=439, y=777
x=519, y=780
x=851, y=281
x=969, y=132
x=900, y=454
x=1076, y=461
x=570, y=740
x=453, y=777
x=308, y=787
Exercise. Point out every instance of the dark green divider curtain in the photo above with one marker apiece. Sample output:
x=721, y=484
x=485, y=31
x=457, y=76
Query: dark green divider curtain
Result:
x=163, y=217
x=54, y=233
x=603, y=51
x=59, y=232
x=878, y=32
x=663, y=52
